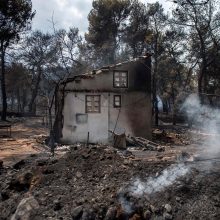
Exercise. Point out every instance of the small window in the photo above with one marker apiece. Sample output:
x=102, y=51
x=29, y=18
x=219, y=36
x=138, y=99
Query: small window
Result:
x=81, y=118
x=93, y=104
x=117, y=101
x=120, y=79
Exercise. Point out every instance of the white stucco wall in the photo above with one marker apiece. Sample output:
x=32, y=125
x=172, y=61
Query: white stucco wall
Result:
x=134, y=117
x=96, y=125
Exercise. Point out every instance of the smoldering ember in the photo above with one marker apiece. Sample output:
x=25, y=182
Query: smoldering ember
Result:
x=110, y=110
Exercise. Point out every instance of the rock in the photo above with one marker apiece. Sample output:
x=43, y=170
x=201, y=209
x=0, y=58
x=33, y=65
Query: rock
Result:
x=111, y=213
x=127, y=161
x=127, y=153
x=19, y=165
x=184, y=156
x=25, y=208
x=167, y=216
x=77, y=213
x=88, y=215
x=78, y=174
x=147, y=215
x=178, y=199
x=168, y=208
x=152, y=208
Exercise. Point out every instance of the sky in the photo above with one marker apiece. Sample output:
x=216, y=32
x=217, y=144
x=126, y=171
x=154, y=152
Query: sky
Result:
x=68, y=13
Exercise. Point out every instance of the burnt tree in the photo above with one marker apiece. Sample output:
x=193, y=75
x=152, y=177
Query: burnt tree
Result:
x=15, y=17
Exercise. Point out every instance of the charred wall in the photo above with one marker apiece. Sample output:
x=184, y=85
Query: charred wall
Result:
x=134, y=116
x=139, y=79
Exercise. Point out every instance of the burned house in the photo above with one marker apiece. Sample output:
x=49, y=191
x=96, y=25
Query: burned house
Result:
x=116, y=98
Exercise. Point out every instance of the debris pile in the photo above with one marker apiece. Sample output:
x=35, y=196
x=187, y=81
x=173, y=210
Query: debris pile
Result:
x=179, y=136
x=145, y=144
x=95, y=182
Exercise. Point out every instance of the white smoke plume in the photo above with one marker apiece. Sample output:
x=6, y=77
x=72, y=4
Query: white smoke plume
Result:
x=145, y=188
x=206, y=119
x=156, y=184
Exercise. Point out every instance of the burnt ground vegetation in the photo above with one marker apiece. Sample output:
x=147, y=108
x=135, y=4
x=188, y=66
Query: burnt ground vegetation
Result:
x=97, y=182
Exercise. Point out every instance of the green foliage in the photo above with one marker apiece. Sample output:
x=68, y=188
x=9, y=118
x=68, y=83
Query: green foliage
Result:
x=106, y=24
x=18, y=80
x=201, y=25
x=137, y=29
x=15, y=17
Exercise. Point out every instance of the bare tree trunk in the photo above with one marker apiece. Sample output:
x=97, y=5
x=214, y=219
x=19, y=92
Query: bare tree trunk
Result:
x=174, y=109
x=59, y=103
x=203, y=71
x=200, y=80
x=32, y=107
x=201, y=83
x=12, y=101
x=19, y=100
x=3, y=87
x=52, y=135
x=155, y=101
x=134, y=51
x=24, y=100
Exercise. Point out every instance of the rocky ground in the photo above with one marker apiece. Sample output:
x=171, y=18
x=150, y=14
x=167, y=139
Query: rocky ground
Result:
x=100, y=182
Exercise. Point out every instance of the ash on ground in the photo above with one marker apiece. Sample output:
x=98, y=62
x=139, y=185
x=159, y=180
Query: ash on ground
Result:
x=97, y=182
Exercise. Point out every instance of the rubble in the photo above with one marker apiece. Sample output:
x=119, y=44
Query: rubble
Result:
x=25, y=208
x=168, y=208
x=77, y=213
x=111, y=213
x=175, y=135
x=93, y=182
x=145, y=144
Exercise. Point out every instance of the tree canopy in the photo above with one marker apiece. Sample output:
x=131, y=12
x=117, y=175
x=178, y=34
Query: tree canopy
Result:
x=15, y=17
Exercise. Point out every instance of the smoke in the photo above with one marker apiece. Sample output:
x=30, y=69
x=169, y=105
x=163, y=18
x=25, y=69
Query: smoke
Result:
x=156, y=184
x=126, y=205
x=144, y=189
x=206, y=119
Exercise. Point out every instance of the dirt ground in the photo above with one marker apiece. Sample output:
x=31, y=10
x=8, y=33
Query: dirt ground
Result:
x=23, y=140
x=99, y=182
